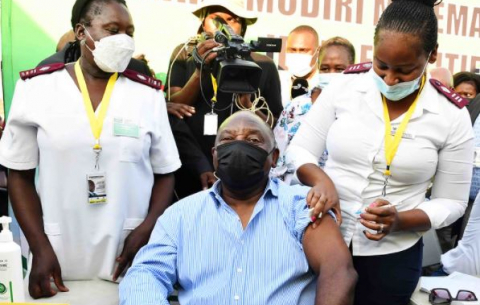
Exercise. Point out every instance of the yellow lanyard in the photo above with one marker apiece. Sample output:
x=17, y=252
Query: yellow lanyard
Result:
x=215, y=86
x=392, y=143
x=96, y=122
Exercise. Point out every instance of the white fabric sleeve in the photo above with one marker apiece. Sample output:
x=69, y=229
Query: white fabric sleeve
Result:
x=299, y=218
x=454, y=173
x=163, y=152
x=19, y=147
x=465, y=257
x=309, y=142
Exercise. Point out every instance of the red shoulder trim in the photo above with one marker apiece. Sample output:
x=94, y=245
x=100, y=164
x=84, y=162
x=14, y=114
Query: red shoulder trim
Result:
x=358, y=68
x=451, y=95
x=45, y=69
x=143, y=79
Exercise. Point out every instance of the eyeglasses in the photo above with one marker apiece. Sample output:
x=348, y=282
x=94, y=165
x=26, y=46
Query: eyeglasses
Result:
x=443, y=296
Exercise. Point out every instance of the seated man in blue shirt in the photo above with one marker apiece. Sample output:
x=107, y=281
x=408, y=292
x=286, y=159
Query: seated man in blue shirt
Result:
x=246, y=240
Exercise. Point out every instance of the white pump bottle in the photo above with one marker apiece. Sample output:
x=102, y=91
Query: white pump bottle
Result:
x=11, y=273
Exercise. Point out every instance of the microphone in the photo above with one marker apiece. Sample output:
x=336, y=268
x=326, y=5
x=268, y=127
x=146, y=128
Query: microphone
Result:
x=299, y=87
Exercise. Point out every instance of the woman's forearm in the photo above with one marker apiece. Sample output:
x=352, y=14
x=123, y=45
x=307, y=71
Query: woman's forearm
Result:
x=161, y=199
x=413, y=220
x=27, y=207
x=310, y=174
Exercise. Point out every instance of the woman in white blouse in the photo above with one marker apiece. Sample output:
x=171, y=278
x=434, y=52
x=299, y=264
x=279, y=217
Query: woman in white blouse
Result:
x=390, y=131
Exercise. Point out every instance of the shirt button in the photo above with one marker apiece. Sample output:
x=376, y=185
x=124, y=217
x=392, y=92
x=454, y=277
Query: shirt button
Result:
x=236, y=298
x=239, y=270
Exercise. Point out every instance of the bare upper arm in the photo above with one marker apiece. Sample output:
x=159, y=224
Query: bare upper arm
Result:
x=324, y=246
x=24, y=175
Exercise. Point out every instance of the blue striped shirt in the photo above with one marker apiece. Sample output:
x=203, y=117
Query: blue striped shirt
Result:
x=200, y=243
x=476, y=171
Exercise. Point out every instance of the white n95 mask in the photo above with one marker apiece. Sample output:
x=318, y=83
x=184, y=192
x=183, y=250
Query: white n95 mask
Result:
x=298, y=64
x=113, y=53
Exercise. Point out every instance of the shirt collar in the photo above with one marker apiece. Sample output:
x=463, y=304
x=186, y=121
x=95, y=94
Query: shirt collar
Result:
x=365, y=83
x=430, y=101
x=271, y=188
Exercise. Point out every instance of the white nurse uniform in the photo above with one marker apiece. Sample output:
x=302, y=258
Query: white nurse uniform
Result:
x=48, y=129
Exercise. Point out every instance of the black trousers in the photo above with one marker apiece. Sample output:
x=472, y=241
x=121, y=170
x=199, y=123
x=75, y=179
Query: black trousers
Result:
x=3, y=203
x=388, y=279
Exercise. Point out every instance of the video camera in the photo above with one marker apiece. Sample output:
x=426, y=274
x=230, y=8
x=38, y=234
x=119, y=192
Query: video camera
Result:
x=235, y=74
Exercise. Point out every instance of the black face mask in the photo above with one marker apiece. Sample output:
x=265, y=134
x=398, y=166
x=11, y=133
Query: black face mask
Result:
x=240, y=164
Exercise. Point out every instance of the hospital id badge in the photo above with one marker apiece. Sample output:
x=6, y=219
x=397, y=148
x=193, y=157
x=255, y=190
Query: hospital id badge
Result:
x=210, y=124
x=97, y=188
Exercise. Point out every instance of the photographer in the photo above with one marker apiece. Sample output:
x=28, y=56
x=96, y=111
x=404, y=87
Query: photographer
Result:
x=186, y=78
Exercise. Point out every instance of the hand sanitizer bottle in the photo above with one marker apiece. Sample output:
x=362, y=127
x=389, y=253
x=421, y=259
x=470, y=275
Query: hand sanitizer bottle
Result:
x=11, y=273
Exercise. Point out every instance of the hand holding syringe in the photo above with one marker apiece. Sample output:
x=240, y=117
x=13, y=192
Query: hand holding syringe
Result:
x=381, y=217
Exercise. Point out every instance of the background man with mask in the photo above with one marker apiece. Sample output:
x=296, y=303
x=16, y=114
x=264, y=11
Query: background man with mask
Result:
x=258, y=226
x=301, y=59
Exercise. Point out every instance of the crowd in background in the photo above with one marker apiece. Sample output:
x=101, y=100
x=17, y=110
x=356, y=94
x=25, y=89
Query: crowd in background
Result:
x=326, y=114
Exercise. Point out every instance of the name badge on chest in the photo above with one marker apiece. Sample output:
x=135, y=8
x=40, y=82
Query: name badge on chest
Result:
x=97, y=188
x=406, y=135
x=125, y=128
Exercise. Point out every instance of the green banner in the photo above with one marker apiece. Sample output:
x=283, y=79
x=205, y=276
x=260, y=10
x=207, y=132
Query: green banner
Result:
x=24, y=45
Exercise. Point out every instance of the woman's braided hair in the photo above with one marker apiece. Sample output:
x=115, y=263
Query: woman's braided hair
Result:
x=416, y=17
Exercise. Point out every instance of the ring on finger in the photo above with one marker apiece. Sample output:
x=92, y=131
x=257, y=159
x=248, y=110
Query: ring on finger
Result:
x=380, y=231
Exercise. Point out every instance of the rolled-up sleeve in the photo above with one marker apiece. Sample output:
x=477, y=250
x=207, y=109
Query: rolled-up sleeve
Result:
x=151, y=278
x=19, y=147
x=299, y=218
x=163, y=152
x=453, y=177
x=309, y=142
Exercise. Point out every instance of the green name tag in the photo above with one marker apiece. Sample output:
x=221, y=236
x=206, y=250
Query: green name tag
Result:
x=125, y=128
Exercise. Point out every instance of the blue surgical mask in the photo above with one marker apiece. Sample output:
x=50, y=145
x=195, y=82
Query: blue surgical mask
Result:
x=321, y=80
x=399, y=91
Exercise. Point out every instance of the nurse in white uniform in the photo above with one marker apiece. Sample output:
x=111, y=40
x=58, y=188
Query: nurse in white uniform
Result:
x=83, y=124
x=390, y=131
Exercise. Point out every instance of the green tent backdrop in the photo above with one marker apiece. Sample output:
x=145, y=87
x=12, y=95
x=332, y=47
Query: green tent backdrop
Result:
x=24, y=45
